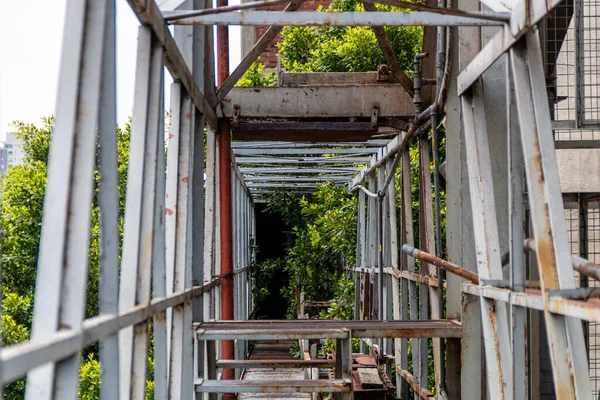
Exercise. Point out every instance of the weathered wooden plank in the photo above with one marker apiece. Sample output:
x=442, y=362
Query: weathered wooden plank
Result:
x=319, y=101
x=369, y=378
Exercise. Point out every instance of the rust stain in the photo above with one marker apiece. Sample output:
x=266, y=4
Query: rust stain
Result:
x=546, y=263
x=160, y=317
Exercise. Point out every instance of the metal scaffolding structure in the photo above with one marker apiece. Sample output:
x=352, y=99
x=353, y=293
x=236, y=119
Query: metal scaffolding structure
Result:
x=510, y=280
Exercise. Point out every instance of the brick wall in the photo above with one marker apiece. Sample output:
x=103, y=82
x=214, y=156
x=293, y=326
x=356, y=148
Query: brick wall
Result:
x=269, y=57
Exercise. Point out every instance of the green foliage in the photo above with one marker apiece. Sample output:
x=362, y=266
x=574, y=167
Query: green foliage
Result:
x=322, y=241
x=256, y=77
x=345, y=49
x=262, y=274
x=21, y=209
x=89, y=381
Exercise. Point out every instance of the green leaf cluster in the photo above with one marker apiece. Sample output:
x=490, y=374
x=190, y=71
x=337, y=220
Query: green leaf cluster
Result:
x=321, y=242
x=255, y=76
x=345, y=49
x=21, y=207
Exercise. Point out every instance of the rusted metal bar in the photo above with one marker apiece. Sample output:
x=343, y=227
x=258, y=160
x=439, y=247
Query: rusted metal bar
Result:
x=260, y=46
x=314, y=329
x=419, y=391
x=225, y=210
x=307, y=363
x=448, y=266
x=287, y=386
x=225, y=214
x=493, y=16
x=388, y=54
x=174, y=15
x=304, y=131
x=580, y=264
x=584, y=310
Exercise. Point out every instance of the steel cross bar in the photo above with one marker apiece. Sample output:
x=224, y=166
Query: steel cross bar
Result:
x=28, y=355
x=148, y=13
x=315, y=18
x=343, y=162
x=293, y=145
x=175, y=15
x=301, y=152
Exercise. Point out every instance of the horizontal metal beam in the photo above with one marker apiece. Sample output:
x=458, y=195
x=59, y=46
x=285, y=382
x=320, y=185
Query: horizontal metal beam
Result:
x=315, y=18
x=288, y=179
x=531, y=298
x=282, y=185
x=264, y=386
x=348, y=161
x=275, y=363
x=303, y=151
x=302, y=131
x=295, y=145
x=292, y=170
x=172, y=15
x=577, y=144
x=29, y=355
x=319, y=101
x=358, y=329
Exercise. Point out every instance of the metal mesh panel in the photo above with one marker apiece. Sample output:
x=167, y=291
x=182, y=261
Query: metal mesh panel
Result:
x=591, y=58
x=571, y=65
x=593, y=248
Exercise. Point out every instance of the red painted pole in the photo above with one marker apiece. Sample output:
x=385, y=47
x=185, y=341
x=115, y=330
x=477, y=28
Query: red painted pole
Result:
x=225, y=209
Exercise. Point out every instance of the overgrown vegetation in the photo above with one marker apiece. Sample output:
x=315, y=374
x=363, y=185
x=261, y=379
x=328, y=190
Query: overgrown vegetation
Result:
x=21, y=219
x=345, y=49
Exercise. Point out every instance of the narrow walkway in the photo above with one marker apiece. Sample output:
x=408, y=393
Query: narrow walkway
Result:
x=273, y=350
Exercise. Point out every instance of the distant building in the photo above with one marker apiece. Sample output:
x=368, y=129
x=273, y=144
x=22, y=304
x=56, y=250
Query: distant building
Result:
x=14, y=152
x=3, y=160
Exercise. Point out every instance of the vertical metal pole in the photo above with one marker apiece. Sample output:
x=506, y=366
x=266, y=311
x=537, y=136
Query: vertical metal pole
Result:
x=225, y=210
x=582, y=208
x=379, y=238
x=516, y=237
x=426, y=239
x=159, y=278
x=109, y=210
x=140, y=213
x=408, y=288
x=494, y=314
x=225, y=213
x=360, y=248
x=64, y=249
x=439, y=344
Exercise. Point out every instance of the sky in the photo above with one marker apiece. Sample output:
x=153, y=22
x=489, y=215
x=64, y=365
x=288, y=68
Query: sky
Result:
x=30, y=50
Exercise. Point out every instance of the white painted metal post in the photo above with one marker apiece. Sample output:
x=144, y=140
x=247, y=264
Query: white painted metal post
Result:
x=489, y=266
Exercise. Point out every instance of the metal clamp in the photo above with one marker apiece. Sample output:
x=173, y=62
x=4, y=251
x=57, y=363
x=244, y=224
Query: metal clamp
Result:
x=236, y=117
x=374, y=116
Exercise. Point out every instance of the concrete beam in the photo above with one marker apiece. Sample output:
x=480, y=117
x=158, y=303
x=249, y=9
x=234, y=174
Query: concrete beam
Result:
x=318, y=102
